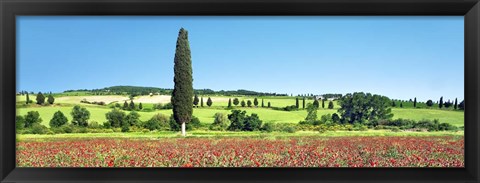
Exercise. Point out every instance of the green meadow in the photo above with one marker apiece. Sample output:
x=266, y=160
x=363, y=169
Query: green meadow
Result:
x=65, y=103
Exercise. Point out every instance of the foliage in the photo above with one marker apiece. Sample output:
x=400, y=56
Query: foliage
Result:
x=80, y=116
x=132, y=119
x=209, y=102
x=19, y=122
x=249, y=103
x=116, y=118
x=220, y=122
x=195, y=100
x=242, y=122
x=429, y=103
x=330, y=105
x=461, y=106
x=50, y=99
x=243, y=103
x=58, y=119
x=32, y=117
x=235, y=101
x=316, y=104
x=158, y=122
x=360, y=107
x=40, y=98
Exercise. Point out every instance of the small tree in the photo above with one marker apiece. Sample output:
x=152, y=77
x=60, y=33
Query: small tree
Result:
x=330, y=105
x=296, y=103
x=401, y=105
x=316, y=104
x=323, y=103
x=132, y=105
x=262, y=103
x=140, y=106
x=58, y=119
x=116, y=118
x=195, y=100
x=132, y=119
x=429, y=103
x=335, y=118
x=237, y=119
x=393, y=103
x=80, y=116
x=236, y=101
x=28, y=99
x=40, y=98
x=268, y=105
x=312, y=113
x=125, y=105
x=209, y=102
x=440, y=104
x=249, y=103
x=201, y=101
x=303, y=104
x=220, y=122
x=255, y=102
x=243, y=103
x=229, y=103
x=32, y=117
x=50, y=99
x=455, y=106
x=461, y=106
x=415, y=102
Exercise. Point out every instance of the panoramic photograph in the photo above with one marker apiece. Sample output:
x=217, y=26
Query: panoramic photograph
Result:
x=240, y=91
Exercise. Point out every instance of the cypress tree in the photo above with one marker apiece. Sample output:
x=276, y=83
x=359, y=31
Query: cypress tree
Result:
x=401, y=105
x=183, y=82
x=235, y=101
x=303, y=105
x=455, y=106
x=296, y=103
x=50, y=99
x=243, y=103
x=330, y=105
x=415, y=102
x=262, y=103
x=316, y=104
x=40, y=98
x=132, y=105
x=28, y=99
x=125, y=105
x=201, y=102
x=249, y=103
x=440, y=104
x=323, y=103
x=229, y=102
x=209, y=102
x=268, y=104
x=195, y=100
x=140, y=106
x=255, y=102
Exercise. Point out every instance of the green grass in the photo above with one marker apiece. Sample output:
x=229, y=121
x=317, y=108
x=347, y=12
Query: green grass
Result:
x=216, y=134
x=445, y=116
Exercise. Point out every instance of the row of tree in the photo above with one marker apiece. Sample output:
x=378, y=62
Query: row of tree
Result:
x=441, y=103
x=40, y=98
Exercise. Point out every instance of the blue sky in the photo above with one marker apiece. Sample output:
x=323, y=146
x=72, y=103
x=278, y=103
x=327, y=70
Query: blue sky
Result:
x=399, y=57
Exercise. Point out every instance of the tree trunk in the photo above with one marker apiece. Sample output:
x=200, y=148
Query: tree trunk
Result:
x=183, y=129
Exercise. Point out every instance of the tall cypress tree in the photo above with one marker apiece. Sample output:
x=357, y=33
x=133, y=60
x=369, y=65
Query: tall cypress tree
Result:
x=415, y=102
x=201, y=101
x=195, y=100
x=323, y=103
x=28, y=99
x=183, y=82
x=229, y=102
x=440, y=104
x=296, y=103
x=303, y=105
x=456, y=104
x=255, y=102
x=262, y=103
x=210, y=102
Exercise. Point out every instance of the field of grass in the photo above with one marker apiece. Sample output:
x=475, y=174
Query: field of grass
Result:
x=206, y=114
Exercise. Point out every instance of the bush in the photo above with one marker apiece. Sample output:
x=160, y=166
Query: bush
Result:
x=132, y=119
x=242, y=122
x=125, y=128
x=94, y=125
x=58, y=119
x=290, y=108
x=19, y=123
x=32, y=117
x=157, y=122
x=194, y=123
x=267, y=127
x=38, y=129
x=116, y=118
x=289, y=129
x=220, y=122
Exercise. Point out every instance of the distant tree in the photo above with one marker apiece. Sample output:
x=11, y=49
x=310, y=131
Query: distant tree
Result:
x=393, y=103
x=461, y=106
x=440, y=104
x=80, y=116
x=335, y=118
x=262, y=103
x=195, y=100
x=255, y=102
x=429, y=103
x=249, y=103
x=50, y=99
x=311, y=113
x=243, y=103
x=401, y=105
x=40, y=98
x=236, y=101
x=132, y=119
x=116, y=118
x=447, y=104
x=28, y=99
x=330, y=105
x=303, y=104
x=209, y=102
x=323, y=103
x=361, y=107
x=132, y=105
x=140, y=106
x=268, y=105
x=415, y=102
x=229, y=103
x=296, y=103
x=237, y=119
x=32, y=117
x=125, y=105
x=58, y=119
x=220, y=122
x=455, y=106
x=201, y=101
x=316, y=104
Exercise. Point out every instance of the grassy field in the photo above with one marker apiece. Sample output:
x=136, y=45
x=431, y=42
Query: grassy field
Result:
x=206, y=114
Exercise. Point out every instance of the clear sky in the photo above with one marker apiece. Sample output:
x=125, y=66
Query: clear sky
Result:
x=397, y=56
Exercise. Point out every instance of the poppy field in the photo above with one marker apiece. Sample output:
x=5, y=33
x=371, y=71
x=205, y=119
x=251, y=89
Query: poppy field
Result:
x=445, y=151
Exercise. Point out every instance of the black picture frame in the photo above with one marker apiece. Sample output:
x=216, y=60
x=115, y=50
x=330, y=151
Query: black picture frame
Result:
x=470, y=9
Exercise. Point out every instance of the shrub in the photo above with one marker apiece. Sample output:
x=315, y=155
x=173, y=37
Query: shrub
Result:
x=290, y=108
x=58, y=119
x=252, y=123
x=132, y=119
x=32, y=117
x=157, y=122
x=194, y=123
x=39, y=129
x=220, y=122
x=116, y=118
x=267, y=127
x=80, y=116
x=289, y=129
x=19, y=122
x=94, y=125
